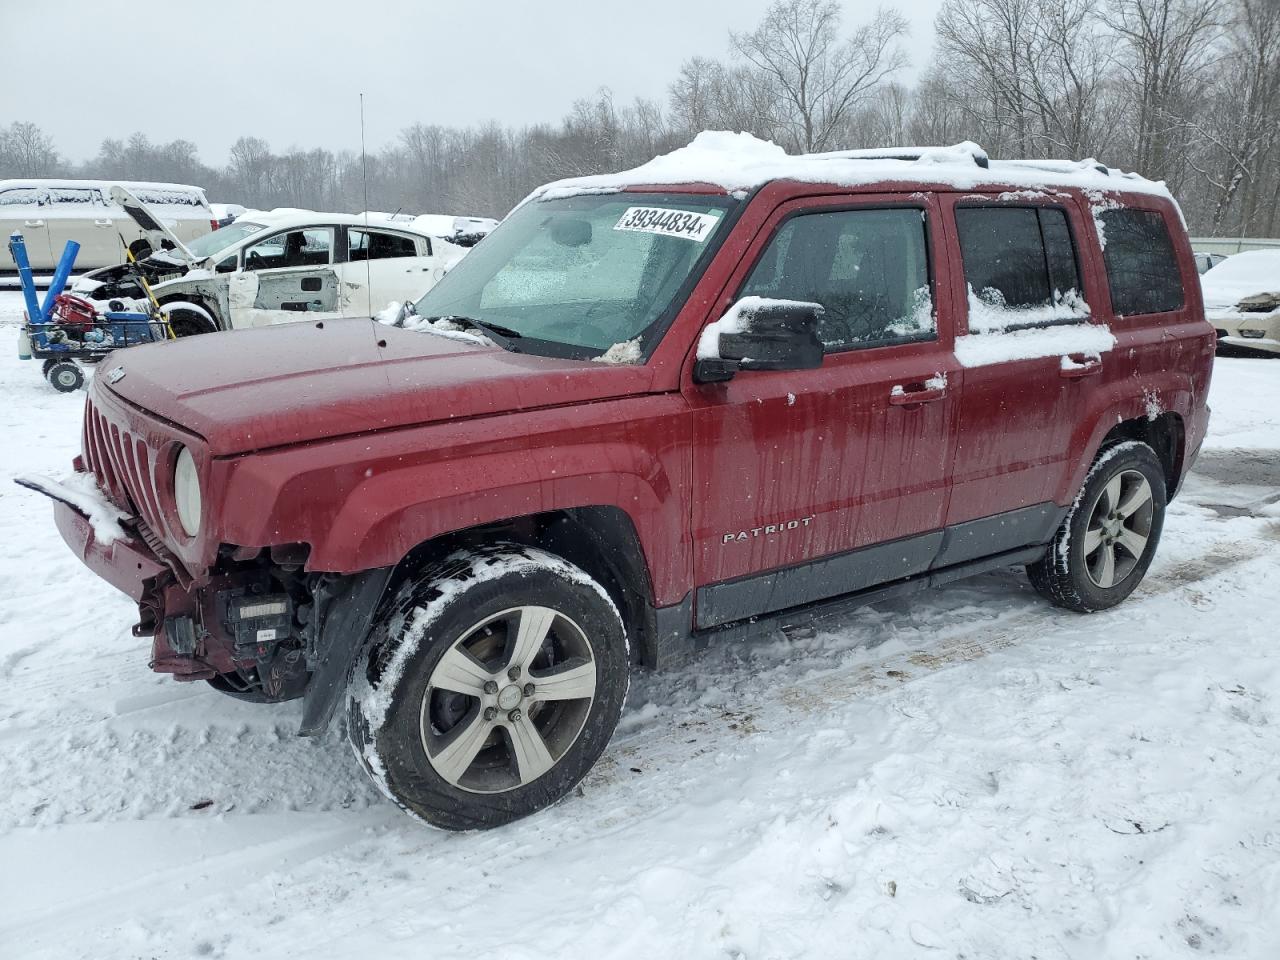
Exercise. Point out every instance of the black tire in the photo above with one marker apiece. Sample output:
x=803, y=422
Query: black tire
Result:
x=1074, y=573
x=65, y=376
x=47, y=365
x=188, y=323
x=472, y=599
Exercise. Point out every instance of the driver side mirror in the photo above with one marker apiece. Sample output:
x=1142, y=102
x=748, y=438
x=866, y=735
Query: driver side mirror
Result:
x=760, y=334
x=140, y=248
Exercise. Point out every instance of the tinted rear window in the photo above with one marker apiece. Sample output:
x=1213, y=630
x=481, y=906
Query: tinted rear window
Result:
x=1141, y=266
x=1017, y=256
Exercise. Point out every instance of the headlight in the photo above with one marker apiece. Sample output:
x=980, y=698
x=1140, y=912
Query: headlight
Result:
x=186, y=492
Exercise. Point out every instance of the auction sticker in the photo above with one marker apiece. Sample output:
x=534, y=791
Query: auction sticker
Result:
x=669, y=223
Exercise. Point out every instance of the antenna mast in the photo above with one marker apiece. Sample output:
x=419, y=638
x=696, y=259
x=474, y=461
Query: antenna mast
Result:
x=368, y=240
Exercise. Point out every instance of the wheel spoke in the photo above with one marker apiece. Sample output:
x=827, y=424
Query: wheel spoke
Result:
x=460, y=672
x=1138, y=497
x=530, y=750
x=465, y=741
x=576, y=681
x=1133, y=542
x=1113, y=492
x=1107, y=568
x=1092, y=541
x=535, y=624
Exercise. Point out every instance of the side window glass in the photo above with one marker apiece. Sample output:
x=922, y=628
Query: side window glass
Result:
x=375, y=245
x=1020, y=267
x=868, y=268
x=298, y=248
x=1142, y=268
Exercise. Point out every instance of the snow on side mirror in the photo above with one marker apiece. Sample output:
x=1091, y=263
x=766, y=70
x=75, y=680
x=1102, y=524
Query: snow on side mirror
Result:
x=760, y=334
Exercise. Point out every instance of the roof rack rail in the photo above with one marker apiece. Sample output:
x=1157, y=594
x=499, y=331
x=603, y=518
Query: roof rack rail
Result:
x=968, y=148
x=1061, y=166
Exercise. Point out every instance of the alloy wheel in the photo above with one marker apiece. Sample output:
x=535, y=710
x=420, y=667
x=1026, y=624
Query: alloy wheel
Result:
x=508, y=699
x=1118, y=529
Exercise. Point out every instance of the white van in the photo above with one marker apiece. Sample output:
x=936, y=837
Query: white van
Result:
x=48, y=213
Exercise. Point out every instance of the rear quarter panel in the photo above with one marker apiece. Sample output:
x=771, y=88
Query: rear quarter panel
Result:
x=1161, y=363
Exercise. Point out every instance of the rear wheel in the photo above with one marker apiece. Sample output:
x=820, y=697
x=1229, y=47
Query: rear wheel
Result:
x=65, y=376
x=1109, y=537
x=493, y=684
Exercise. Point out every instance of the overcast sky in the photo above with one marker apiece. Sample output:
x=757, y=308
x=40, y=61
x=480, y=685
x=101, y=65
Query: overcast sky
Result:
x=290, y=72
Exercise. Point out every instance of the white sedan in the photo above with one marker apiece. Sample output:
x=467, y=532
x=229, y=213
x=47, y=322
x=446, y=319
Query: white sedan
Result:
x=274, y=268
x=1242, y=300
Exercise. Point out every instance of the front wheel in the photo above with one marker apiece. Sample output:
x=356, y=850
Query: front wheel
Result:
x=1108, y=539
x=493, y=683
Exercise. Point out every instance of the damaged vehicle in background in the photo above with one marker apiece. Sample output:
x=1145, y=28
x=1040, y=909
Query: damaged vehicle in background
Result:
x=1242, y=301
x=271, y=268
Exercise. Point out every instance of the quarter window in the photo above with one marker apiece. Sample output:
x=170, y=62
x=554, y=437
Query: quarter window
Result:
x=868, y=268
x=1018, y=257
x=1142, y=268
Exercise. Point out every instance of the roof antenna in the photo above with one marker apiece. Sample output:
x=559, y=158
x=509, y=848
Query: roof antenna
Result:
x=368, y=244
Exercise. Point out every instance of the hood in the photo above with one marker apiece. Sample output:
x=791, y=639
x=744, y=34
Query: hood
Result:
x=292, y=383
x=156, y=232
x=1240, y=277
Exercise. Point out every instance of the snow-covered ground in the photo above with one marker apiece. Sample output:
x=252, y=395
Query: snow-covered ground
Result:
x=965, y=774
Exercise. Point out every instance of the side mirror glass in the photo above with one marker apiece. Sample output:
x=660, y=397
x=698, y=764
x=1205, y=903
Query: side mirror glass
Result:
x=760, y=334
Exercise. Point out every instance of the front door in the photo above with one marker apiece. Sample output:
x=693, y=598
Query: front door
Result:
x=814, y=483
x=287, y=276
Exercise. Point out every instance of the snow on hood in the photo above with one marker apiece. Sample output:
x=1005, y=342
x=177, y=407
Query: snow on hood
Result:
x=1239, y=276
x=739, y=161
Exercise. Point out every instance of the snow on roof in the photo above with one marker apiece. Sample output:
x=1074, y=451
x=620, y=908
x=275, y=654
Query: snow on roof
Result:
x=101, y=184
x=739, y=161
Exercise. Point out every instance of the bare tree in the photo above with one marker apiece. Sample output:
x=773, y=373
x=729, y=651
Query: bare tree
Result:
x=819, y=79
x=27, y=151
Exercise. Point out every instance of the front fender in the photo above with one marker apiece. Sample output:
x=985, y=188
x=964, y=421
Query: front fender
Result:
x=364, y=502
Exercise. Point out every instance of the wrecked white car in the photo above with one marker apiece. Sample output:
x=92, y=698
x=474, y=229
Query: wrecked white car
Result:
x=1242, y=301
x=272, y=268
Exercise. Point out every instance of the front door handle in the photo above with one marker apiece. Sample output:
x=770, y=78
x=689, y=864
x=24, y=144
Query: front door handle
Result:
x=33, y=223
x=1076, y=367
x=102, y=223
x=901, y=397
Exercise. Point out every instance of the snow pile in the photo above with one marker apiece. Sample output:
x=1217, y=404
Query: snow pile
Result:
x=627, y=352
x=738, y=320
x=999, y=333
x=739, y=162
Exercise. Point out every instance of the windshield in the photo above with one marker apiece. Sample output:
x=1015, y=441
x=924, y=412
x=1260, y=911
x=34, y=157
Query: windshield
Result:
x=214, y=243
x=582, y=273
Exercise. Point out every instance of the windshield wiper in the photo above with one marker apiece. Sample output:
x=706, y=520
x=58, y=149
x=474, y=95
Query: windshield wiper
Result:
x=491, y=328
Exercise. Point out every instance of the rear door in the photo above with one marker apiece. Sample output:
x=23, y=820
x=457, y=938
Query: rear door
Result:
x=382, y=266
x=82, y=214
x=287, y=276
x=1032, y=356
x=25, y=210
x=813, y=483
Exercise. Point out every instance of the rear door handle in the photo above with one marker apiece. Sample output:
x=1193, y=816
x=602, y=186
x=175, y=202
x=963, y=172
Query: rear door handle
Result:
x=33, y=223
x=1074, y=368
x=102, y=223
x=909, y=398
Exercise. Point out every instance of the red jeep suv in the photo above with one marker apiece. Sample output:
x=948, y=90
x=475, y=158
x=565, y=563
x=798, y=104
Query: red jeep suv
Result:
x=651, y=411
